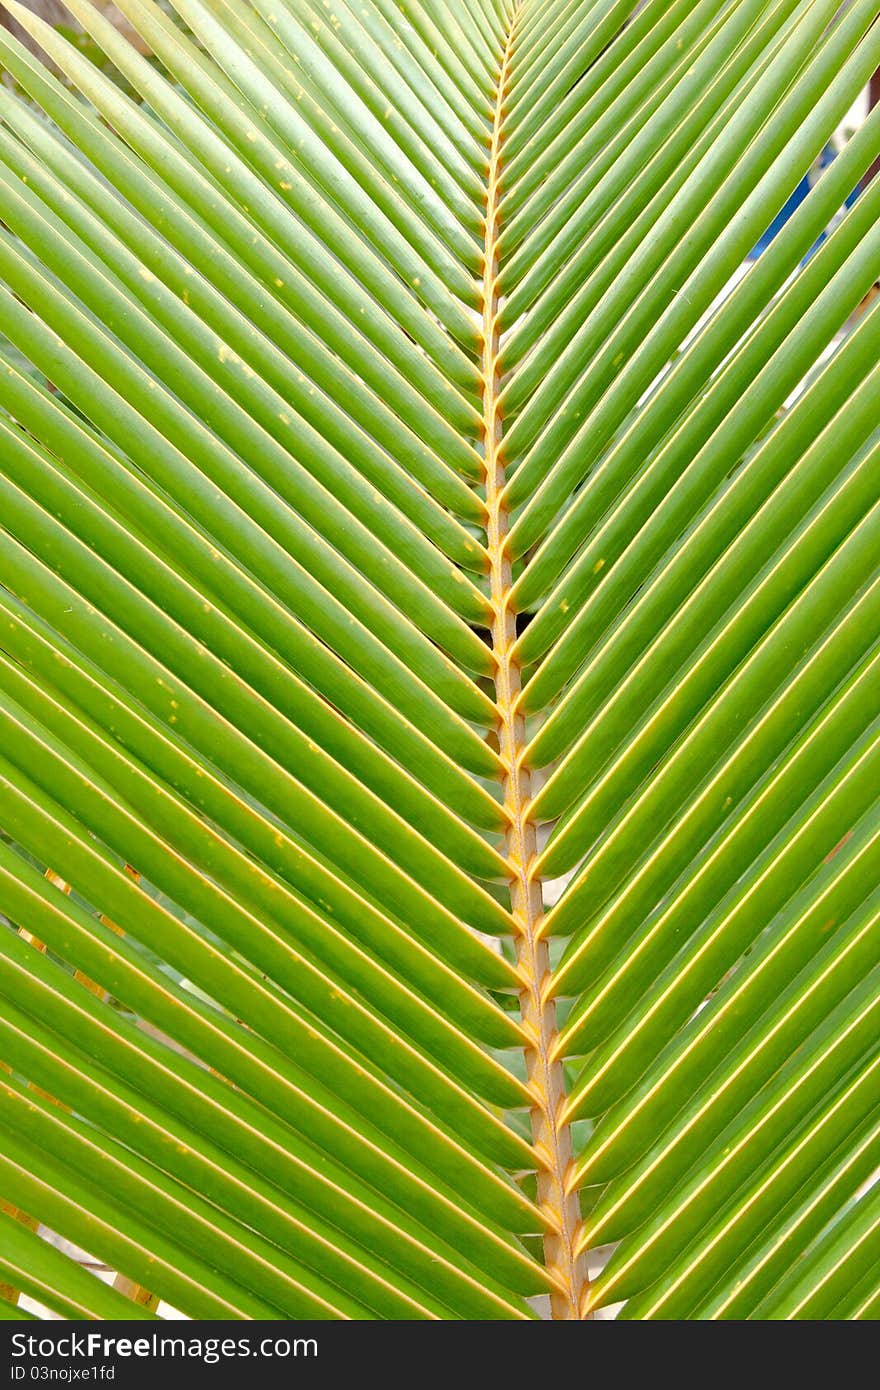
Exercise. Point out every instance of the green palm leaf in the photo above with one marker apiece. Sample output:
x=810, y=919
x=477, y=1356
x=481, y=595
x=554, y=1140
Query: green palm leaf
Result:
x=439, y=642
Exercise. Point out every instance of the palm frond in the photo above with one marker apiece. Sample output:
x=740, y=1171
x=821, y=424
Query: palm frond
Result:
x=439, y=642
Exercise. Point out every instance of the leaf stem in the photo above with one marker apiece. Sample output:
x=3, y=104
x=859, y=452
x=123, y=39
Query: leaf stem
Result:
x=557, y=1199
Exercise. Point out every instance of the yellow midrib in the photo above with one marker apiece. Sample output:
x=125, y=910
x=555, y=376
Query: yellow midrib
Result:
x=552, y=1140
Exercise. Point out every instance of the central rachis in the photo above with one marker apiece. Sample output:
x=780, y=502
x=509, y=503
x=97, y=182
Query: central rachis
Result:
x=552, y=1138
